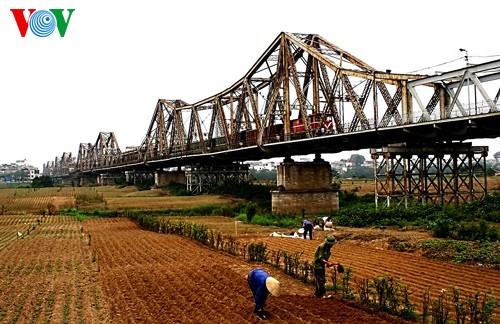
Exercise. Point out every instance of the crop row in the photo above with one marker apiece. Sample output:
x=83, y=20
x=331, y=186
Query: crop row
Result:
x=44, y=279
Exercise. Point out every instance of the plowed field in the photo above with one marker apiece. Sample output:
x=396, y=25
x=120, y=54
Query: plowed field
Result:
x=47, y=275
x=112, y=271
x=415, y=271
x=154, y=278
x=364, y=250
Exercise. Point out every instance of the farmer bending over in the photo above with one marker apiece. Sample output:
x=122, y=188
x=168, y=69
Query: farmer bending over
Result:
x=308, y=228
x=261, y=284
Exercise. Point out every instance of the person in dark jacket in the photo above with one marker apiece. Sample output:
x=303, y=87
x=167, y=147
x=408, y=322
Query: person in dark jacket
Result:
x=261, y=284
x=308, y=228
x=321, y=257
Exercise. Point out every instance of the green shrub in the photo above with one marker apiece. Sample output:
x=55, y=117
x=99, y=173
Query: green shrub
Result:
x=259, y=194
x=442, y=227
x=144, y=184
x=177, y=189
x=481, y=232
x=251, y=210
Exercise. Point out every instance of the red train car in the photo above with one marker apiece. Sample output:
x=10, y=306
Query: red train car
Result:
x=318, y=123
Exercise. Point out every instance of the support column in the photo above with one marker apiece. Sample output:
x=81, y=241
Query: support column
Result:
x=201, y=177
x=304, y=186
x=107, y=179
x=440, y=174
x=129, y=177
x=163, y=178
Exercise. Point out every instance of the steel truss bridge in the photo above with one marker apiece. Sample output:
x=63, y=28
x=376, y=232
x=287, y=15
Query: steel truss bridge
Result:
x=354, y=105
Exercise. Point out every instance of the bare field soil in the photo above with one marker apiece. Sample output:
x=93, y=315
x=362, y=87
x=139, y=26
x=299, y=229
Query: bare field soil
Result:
x=365, y=252
x=47, y=276
x=362, y=187
x=112, y=271
x=60, y=270
x=156, y=278
x=165, y=202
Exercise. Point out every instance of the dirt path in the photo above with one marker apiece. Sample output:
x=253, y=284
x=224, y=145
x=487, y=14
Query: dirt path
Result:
x=154, y=278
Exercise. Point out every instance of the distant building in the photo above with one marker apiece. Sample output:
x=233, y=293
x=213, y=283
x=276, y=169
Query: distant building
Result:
x=262, y=165
x=20, y=171
x=22, y=163
x=339, y=166
x=33, y=173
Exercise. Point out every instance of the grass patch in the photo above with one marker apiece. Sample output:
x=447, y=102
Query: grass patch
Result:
x=486, y=254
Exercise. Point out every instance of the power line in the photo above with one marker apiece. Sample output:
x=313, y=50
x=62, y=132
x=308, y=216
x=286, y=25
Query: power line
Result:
x=476, y=56
x=486, y=56
x=430, y=67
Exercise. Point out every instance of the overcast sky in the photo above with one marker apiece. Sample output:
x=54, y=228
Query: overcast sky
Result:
x=119, y=57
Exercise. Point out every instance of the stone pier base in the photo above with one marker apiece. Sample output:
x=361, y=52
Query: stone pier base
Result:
x=292, y=202
x=304, y=187
x=163, y=177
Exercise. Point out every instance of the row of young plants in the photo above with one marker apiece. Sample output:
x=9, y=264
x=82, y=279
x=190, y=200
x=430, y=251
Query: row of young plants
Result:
x=383, y=293
x=469, y=221
x=479, y=252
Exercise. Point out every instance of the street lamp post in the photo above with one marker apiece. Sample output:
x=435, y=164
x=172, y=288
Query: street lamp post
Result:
x=466, y=55
x=466, y=65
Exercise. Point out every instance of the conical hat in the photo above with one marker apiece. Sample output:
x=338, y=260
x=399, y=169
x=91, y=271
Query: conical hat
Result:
x=273, y=286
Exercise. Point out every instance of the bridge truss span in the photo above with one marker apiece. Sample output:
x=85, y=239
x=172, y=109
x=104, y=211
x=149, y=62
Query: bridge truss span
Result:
x=306, y=95
x=301, y=87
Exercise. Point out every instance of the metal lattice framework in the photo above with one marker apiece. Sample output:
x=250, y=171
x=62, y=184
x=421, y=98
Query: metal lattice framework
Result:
x=201, y=177
x=298, y=75
x=303, y=75
x=101, y=154
x=61, y=166
x=439, y=175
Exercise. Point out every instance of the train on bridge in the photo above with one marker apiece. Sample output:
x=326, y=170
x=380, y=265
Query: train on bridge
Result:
x=305, y=95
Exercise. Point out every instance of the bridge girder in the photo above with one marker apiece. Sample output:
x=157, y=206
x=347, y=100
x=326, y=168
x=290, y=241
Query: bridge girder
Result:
x=297, y=76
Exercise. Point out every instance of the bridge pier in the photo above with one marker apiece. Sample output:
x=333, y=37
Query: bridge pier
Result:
x=106, y=179
x=304, y=187
x=85, y=181
x=165, y=177
x=200, y=177
x=444, y=174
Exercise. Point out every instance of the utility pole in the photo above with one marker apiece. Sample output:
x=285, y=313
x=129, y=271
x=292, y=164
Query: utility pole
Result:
x=467, y=65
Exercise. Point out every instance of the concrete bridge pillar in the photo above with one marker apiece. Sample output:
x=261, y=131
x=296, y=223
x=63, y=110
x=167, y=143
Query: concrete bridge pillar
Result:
x=165, y=177
x=129, y=177
x=106, y=179
x=86, y=181
x=304, y=186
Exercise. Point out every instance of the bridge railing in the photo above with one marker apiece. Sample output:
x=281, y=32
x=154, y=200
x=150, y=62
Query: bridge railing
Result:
x=298, y=78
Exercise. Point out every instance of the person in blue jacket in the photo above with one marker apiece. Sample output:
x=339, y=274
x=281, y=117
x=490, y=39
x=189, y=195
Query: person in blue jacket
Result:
x=261, y=284
x=308, y=228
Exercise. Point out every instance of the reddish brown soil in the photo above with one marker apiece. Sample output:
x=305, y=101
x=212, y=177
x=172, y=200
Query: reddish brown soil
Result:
x=48, y=275
x=370, y=259
x=366, y=252
x=115, y=272
x=154, y=278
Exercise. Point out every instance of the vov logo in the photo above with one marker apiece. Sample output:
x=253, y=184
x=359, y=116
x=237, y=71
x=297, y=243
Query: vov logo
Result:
x=42, y=23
